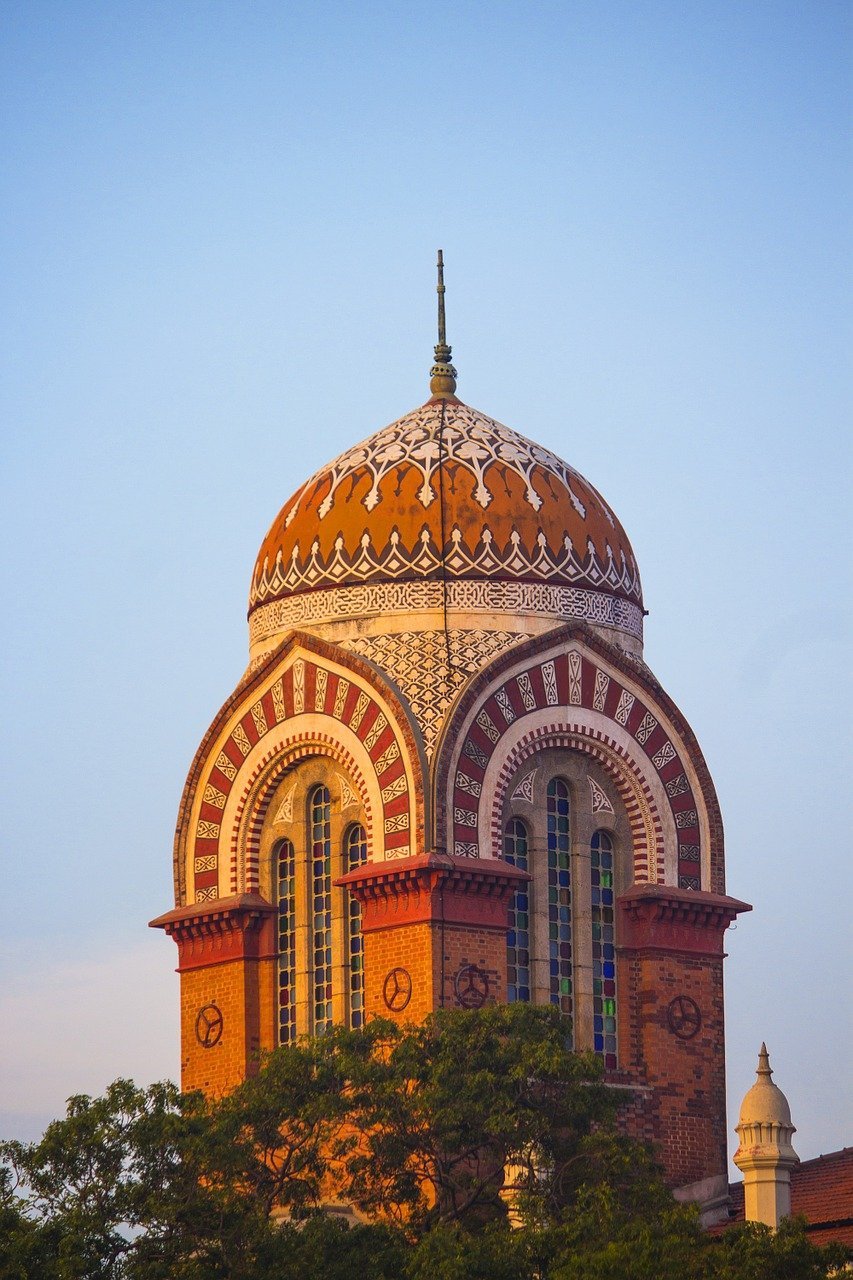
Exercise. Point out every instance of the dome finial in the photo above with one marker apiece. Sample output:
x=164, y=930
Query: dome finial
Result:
x=442, y=374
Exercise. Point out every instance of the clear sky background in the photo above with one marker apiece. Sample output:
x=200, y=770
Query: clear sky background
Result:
x=219, y=234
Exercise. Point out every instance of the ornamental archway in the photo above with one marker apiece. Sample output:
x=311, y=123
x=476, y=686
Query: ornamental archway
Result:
x=571, y=689
x=306, y=703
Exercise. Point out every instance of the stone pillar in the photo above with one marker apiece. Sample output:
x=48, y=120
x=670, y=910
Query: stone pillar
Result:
x=434, y=931
x=226, y=959
x=671, y=1031
x=765, y=1156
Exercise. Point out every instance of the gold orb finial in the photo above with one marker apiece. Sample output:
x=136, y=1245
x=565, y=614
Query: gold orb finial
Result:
x=442, y=380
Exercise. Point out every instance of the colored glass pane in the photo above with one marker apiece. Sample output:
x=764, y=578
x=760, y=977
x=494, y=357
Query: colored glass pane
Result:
x=355, y=855
x=285, y=867
x=321, y=907
x=559, y=895
x=518, y=933
x=603, y=948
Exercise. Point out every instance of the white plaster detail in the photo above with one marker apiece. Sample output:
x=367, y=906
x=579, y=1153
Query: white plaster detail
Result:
x=417, y=662
x=213, y=797
x=469, y=785
x=487, y=724
x=664, y=755
x=398, y=823
x=623, y=709
x=575, y=698
x=465, y=817
x=463, y=849
x=502, y=699
x=646, y=728
x=278, y=701
x=226, y=766
x=340, y=699
x=348, y=796
x=525, y=688
x=298, y=686
x=598, y=797
x=285, y=809
x=375, y=731
x=524, y=790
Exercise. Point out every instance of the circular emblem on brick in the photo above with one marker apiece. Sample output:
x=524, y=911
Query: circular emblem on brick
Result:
x=397, y=989
x=683, y=1017
x=208, y=1026
x=471, y=985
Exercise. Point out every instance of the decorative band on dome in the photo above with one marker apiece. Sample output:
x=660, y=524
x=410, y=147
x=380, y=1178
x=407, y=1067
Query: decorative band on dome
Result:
x=380, y=599
x=487, y=559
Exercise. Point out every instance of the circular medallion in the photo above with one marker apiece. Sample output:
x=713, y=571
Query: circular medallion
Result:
x=397, y=989
x=683, y=1017
x=471, y=985
x=208, y=1026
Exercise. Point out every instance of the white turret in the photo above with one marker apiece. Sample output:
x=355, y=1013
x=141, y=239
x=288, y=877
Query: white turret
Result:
x=765, y=1155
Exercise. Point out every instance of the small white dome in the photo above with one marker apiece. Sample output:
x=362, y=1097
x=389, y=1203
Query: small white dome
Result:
x=765, y=1103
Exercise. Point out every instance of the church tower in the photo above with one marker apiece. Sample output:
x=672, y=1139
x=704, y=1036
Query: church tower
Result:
x=448, y=778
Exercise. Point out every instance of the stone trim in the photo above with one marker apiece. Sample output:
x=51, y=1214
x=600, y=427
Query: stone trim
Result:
x=470, y=595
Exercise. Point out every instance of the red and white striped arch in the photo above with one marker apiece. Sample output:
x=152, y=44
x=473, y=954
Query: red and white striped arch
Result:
x=307, y=705
x=570, y=696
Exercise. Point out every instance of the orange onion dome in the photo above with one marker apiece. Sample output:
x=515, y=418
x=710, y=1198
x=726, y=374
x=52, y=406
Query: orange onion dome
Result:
x=445, y=511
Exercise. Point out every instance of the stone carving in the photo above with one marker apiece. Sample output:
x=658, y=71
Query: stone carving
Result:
x=378, y=599
x=524, y=790
x=598, y=797
x=417, y=662
x=285, y=809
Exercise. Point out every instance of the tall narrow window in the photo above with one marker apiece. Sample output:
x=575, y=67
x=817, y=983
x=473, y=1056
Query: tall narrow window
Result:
x=559, y=896
x=286, y=901
x=321, y=906
x=518, y=934
x=603, y=948
x=355, y=855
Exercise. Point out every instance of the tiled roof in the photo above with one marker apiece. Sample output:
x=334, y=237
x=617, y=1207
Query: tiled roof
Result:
x=821, y=1191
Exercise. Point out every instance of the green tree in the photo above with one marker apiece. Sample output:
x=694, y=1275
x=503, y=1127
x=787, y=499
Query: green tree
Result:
x=412, y=1125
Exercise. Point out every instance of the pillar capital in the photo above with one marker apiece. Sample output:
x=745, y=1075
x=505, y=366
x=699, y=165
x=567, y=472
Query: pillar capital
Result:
x=434, y=888
x=216, y=932
x=657, y=917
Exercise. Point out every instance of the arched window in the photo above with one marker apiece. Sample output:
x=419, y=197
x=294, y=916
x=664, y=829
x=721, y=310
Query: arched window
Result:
x=559, y=896
x=603, y=948
x=320, y=815
x=285, y=864
x=518, y=935
x=355, y=855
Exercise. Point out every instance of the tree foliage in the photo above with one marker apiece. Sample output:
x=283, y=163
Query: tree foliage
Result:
x=414, y=1127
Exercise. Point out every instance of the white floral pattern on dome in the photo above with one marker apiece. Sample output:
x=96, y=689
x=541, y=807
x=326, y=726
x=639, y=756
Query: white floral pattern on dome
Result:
x=470, y=438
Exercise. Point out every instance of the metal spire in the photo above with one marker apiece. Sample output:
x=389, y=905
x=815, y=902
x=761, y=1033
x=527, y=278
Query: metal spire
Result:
x=442, y=374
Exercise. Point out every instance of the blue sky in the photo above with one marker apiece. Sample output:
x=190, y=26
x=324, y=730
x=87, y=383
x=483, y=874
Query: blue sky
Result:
x=219, y=234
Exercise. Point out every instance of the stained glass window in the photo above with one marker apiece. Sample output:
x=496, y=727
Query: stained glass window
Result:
x=321, y=906
x=286, y=897
x=518, y=934
x=603, y=948
x=355, y=855
x=559, y=896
